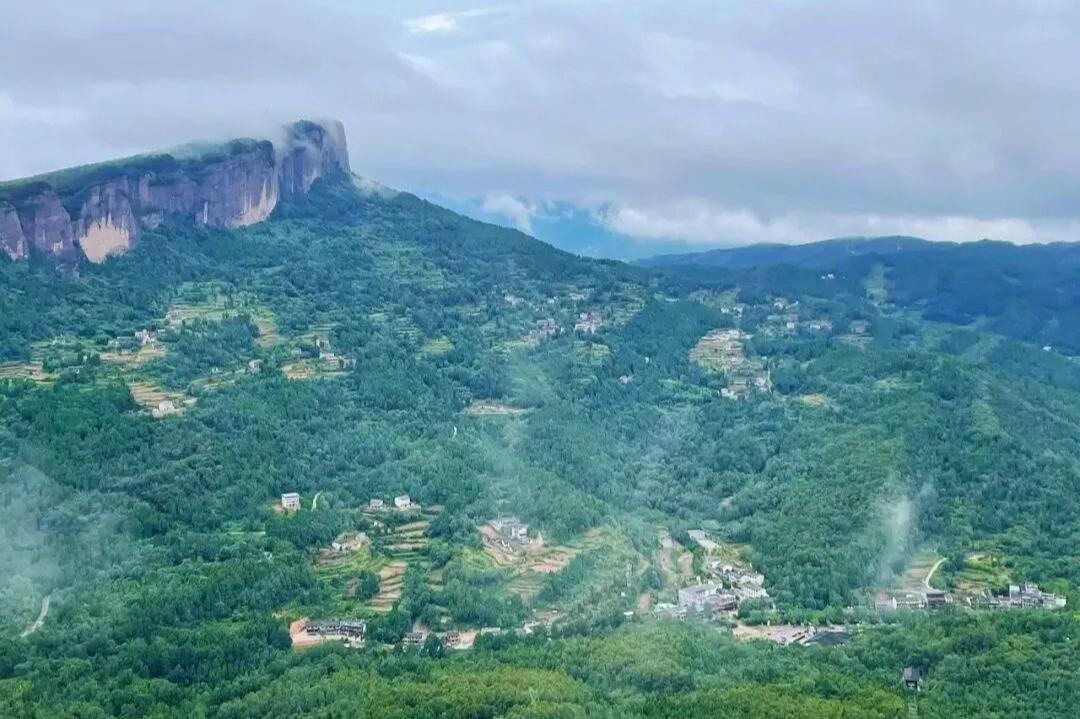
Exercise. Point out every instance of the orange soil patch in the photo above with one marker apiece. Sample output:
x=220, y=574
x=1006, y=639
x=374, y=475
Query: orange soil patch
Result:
x=644, y=602
x=301, y=640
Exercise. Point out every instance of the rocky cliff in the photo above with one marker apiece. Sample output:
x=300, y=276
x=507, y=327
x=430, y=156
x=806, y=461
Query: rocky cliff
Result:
x=101, y=210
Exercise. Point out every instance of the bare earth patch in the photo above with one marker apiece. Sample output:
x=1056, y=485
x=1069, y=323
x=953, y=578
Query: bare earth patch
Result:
x=493, y=409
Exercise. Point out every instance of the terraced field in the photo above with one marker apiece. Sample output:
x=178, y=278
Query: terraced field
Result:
x=132, y=360
x=150, y=396
x=391, y=580
x=526, y=586
x=312, y=368
x=32, y=371
x=217, y=303
x=591, y=353
x=532, y=563
x=437, y=346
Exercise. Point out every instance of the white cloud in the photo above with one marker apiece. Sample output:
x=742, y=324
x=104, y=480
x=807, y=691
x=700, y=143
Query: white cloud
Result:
x=518, y=211
x=702, y=222
x=444, y=21
x=721, y=122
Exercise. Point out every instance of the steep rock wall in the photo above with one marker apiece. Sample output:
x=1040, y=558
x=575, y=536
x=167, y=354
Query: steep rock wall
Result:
x=106, y=224
x=12, y=239
x=46, y=224
x=312, y=150
x=106, y=218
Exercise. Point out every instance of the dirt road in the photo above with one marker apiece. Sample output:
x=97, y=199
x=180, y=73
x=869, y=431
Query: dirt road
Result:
x=40, y=620
x=930, y=574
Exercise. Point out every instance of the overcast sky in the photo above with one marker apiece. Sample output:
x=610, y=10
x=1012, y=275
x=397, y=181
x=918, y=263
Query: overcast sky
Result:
x=716, y=123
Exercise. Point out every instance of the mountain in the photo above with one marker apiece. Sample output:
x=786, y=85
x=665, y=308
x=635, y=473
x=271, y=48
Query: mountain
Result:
x=1025, y=292
x=96, y=211
x=228, y=451
x=813, y=254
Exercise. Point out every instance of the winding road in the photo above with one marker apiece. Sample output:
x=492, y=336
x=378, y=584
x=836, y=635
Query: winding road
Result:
x=930, y=574
x=41, y=618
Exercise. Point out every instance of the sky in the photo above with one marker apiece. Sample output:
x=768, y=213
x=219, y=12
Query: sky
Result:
x=619, y=128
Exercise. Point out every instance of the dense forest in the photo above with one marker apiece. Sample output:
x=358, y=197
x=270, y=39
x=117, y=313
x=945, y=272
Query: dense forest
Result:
x=1027, y=293
x=366, y=345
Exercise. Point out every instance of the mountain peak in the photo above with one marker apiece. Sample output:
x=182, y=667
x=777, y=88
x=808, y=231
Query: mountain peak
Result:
x=99, y=210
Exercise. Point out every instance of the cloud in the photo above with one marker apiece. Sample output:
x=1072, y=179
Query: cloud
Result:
x=701, y=222
x=517, y=211
x=444, y=21
x=787, y=120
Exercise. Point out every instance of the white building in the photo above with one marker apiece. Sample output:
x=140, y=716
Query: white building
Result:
x=402, y=502
x=697, y=595
x=511, y=529
x=290, y=501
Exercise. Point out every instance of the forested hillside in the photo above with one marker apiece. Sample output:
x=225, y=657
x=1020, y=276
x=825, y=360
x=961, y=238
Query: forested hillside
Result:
x=833, y=425
x=1028, y=293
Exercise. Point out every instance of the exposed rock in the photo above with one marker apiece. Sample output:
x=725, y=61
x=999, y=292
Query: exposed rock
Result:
x=239, y=186
x=46, y=224
x=106, y=225
x=311, y=151
x=12, y=239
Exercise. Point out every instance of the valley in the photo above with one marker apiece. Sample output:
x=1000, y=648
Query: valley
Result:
x=594, y=482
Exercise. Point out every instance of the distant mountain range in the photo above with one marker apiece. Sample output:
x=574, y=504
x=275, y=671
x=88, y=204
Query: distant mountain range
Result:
x=817, y=254
x=1030, y=292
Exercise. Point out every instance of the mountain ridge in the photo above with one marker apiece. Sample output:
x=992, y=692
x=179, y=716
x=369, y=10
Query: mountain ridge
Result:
x=96, y=211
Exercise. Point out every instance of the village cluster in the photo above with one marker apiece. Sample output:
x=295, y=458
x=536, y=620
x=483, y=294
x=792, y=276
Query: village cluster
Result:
x=729, y=586
x=787, y=318
x=352, y=632
x=290, y=502
x=1022, y=596
x=724, y=350
x=511, y=534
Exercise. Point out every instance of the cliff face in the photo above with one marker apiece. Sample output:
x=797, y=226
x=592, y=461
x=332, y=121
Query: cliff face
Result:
x=12, y=239
x=99, y=211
